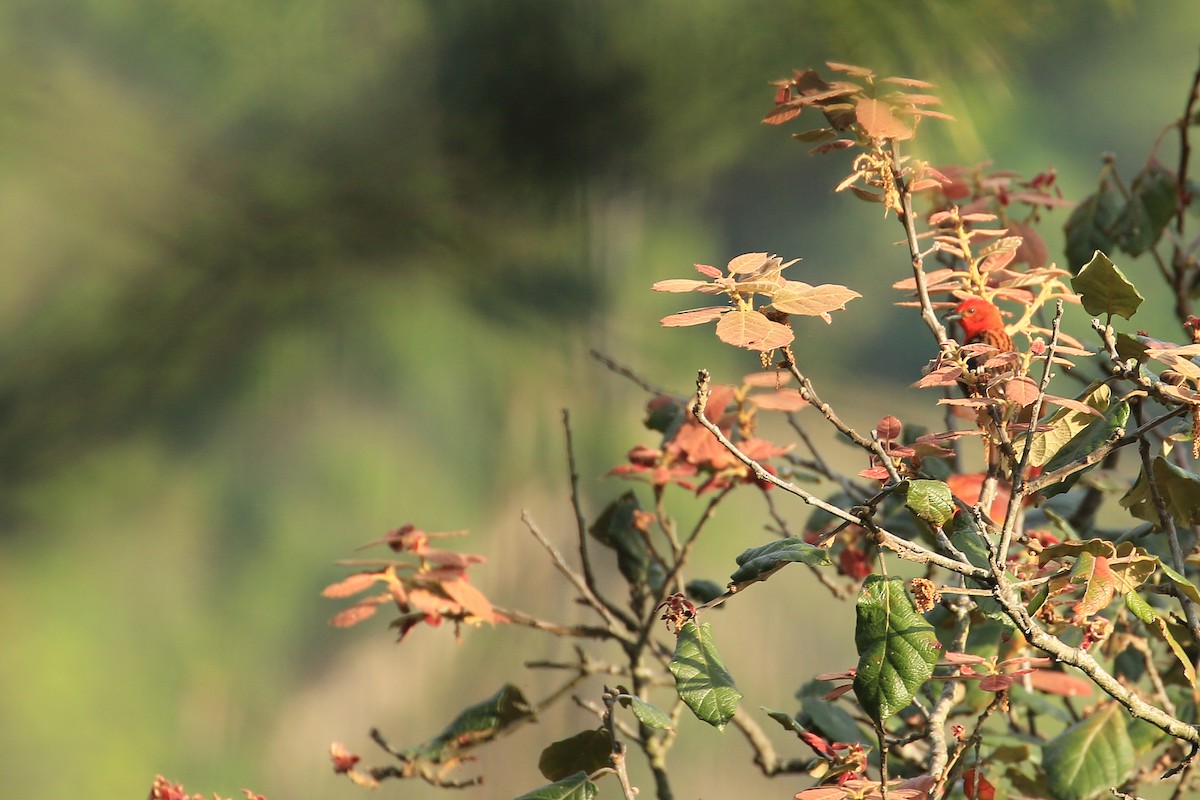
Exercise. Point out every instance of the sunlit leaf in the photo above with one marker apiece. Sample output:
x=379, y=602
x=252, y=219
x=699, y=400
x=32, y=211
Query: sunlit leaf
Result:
x=752, y=330
x=932, y=501
x=574, y=787
x=695, y=316
x=897, y=648
x=800, y=298
x=1090, y=756
x=703, y=683
x=747, y=263
x=646, y=713
x=678, y=285
x=878, y=121
x=1105, y=290
x=585, y=752
x=1097, y=432
x=1063, y=425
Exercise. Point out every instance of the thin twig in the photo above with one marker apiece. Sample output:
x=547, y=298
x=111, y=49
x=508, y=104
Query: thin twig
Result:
x=626, y=372
x=616, y=626
x=910, y=551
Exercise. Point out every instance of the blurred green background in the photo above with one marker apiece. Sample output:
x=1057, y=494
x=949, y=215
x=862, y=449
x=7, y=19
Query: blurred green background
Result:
x=276, y=277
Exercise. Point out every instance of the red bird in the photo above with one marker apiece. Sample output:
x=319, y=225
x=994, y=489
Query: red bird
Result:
x=981, y=324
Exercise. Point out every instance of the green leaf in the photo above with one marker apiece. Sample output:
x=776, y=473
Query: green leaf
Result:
x=703, y=683
x=1081, y=444
x=647, y=714
x=574, y=787
x=584, y=752
x=786, y=721
x=616, y=527
x=1150, y=207
x=966, y=535
x=897, y=648
x=758, y=563
x=1147, y=614
x=1087, y=227
x=1090, y=756
x=932, y=501
x=701, y=590
x=1063, y=425
x=477, y=724
x=1186, y=586
x=1104, y=290
x=831, y=721
x=1179, y=488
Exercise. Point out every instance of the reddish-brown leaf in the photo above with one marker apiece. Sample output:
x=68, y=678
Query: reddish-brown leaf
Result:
x=850, y=69
x=705, y=269
x=888, y=428
x=752, y=330
x=942, y=376
x=1022, y=391
x=695, y=316
x=770, y=380
x=878, y=121
x=1073, y=405
x=912, y=83
x=1100, y=585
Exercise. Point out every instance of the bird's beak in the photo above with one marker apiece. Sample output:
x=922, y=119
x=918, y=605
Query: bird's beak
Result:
x=953, y=316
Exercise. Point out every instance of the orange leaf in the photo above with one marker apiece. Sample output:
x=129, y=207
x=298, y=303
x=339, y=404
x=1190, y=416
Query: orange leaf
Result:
x=353, y=615
x=352, y=584
x=780, y=400
x=470, y=599
x=1059, y=683
x=878, y=121
x=752, y=330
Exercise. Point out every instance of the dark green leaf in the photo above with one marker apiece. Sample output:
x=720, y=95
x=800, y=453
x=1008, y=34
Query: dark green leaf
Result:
x=966, y=535
x=574, y=787
x=702, y=681
x=1131, y=347
x=616, y=527
x=1090, y=756
x=1081, y=444
x=758, y=562
x=932, y=501
x=831, y=721
x=477, y=724
x=1179, y=488
x=785, y=720
x=666, y=415
x=897, y=648
x=1087, y=227
x=648, y=714
x=1104, y=290
x=1150, y=207
x=584, y=752
x=701, y=591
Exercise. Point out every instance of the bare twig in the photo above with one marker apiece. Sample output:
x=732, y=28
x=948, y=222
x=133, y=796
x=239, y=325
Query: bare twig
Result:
x=616, y=625
x=626, y=372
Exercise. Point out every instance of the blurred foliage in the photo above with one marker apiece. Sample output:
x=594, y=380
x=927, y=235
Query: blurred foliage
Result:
x=278, y=275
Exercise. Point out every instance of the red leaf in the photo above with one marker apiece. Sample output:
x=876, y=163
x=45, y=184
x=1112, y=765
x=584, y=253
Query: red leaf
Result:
x=888, y=428
x=752, y=330
x=976, y=787
x=942, y=376
x=706, y=270
x=353, y=615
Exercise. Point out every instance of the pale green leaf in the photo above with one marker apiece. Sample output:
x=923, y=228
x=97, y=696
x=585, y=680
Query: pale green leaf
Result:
x=574, y=787
x=1090, y=756
x=1104, y=290
x=932, y=501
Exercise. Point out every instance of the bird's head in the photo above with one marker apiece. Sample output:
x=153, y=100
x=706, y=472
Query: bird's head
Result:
x=975, y=315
